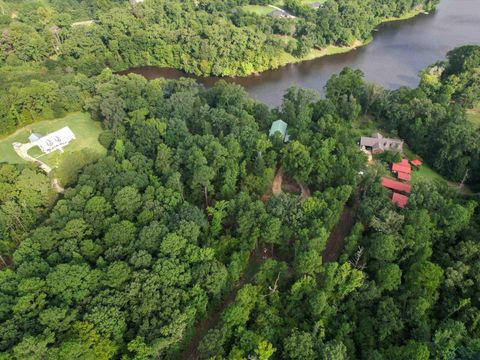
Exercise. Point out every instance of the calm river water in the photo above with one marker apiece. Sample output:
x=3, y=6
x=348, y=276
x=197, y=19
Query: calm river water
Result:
x=394, y=58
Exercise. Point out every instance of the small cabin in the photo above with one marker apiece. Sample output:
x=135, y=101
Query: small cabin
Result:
x=279, y=126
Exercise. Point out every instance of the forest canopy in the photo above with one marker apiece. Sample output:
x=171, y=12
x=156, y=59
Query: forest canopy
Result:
x=203, y=38
x=154, y=236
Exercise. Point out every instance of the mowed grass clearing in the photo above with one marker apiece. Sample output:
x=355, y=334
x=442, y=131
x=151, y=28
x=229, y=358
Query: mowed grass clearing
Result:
x=85, y=129
x=474, y=116
x=425, y=173
x=265, y=9
x=258, y=9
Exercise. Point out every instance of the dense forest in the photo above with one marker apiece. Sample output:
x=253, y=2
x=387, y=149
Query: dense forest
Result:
x=204, y=38
x=152, y=237
x=46, y=49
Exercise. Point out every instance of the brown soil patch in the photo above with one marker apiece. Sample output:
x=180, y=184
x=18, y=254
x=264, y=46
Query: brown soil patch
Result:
x=277, y=182
x=305, y=192
x=276, y=187
x=340, y=231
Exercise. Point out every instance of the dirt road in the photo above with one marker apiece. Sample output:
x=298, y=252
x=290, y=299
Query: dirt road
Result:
x=340, y=231
x=22, y=151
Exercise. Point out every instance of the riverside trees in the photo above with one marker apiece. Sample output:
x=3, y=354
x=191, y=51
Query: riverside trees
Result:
x=204, y=38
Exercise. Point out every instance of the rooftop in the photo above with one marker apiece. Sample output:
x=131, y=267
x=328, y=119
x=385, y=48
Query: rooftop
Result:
x=315, y=5
x=55, y=140
x=396, y=185
x=34, y=136
x=404, y=176
x=400, y=200
x=278, y=126
x=377, y=141
x=402, y=167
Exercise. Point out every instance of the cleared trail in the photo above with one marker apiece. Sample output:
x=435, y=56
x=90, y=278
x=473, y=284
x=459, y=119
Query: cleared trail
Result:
x=340, y=231
x=214, y=316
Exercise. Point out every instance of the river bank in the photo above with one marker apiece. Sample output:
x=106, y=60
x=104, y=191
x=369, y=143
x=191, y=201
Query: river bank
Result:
x=335, y=50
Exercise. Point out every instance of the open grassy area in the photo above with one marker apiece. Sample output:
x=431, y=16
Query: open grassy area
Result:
x=426, y=174
x=265, y=9
x=258, y=9
x=281, y=3
x=287, y=58
x=474, y=116
x=85, y=129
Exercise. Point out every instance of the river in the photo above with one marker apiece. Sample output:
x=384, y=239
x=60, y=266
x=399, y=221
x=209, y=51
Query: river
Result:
x=397, y=53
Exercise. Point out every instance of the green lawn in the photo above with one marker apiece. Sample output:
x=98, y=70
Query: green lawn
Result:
x=474, y=116
x=265, y=9
x=426, y=174
x=85, y=129
x=258, y=9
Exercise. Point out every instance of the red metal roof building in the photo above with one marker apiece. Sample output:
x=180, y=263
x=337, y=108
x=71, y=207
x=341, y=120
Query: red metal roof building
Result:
x=403, y=176
x=400, y=200
x=416, y=162
x=396, y=185
x=403, y=166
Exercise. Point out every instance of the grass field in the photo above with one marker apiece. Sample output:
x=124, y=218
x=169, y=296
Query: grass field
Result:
x=258, y=9
x=265, y=9
x=474, y=116
x=85, y=129
x=426, y=174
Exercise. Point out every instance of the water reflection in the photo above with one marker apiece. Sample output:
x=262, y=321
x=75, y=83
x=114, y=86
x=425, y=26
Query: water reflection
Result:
x=394, y=58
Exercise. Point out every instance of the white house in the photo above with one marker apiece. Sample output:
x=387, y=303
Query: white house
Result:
x=56, y=140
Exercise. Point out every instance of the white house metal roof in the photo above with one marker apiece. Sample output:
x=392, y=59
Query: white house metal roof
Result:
x=34, y=137
x=55, y=140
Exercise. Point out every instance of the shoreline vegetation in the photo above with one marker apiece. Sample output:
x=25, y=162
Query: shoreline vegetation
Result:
x=289, y=59
x=54, y=66
x=329, y=50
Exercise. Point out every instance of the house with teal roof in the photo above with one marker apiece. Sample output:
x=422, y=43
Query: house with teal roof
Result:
x=279, y=126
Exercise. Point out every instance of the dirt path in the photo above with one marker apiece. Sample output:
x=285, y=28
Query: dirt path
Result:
x=256, y=258
x=277, y=182
x=282, y=10
x=276, y=187
x=305, y=192
x=340, y=231
x=84, y=23
x=22, y=151
x=214, y=316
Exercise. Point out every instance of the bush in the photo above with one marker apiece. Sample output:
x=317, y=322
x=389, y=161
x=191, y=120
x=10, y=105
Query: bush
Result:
x=106, y=138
